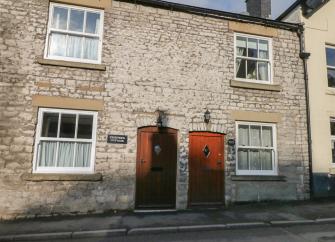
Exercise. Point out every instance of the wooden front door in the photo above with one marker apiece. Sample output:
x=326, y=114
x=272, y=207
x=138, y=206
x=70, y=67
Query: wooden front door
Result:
x=206, y=167
x=156, y=168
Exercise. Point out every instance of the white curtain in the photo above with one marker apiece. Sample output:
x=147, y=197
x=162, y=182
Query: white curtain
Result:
x=266, y=158
x=255, y=135
x=65, y=154
x=255, y=161
x=58, y=44
x=243, y=163
x=241, y=48
x=243, y=135
x=83, y=155
x=263, y=71
x=74, y=44
x=263, y=49
x=47, y=153
x=91, y=48
x=267, y=136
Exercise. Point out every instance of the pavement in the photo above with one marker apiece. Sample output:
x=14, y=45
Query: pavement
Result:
x=141, y=223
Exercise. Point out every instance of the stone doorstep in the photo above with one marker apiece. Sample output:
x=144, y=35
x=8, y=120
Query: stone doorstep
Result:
x=157, y=230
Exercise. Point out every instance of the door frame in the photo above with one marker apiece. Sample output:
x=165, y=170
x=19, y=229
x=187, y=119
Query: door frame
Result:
x=138, y=147
x=209, y=133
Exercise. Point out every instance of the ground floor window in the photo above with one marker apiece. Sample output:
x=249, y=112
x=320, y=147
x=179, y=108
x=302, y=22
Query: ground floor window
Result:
x=332, y=127
x=65, y=141
x=256, y=149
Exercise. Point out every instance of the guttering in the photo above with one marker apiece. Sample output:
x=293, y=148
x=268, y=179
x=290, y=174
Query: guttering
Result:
x=304, y=56
x=214, y=13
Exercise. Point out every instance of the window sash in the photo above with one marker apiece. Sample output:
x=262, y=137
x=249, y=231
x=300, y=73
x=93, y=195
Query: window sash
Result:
x=56, y=169
x=273, y=148
x=67, y=32
x=269, y=60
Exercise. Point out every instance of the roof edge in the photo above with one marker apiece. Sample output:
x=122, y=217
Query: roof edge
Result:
x=215, y=13
x=289, y=10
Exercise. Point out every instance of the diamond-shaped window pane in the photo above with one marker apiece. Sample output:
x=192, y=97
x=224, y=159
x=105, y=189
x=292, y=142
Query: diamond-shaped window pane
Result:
x=157, y=149
x=206, y=151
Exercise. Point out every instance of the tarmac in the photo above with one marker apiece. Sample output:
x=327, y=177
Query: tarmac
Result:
x=126, y=223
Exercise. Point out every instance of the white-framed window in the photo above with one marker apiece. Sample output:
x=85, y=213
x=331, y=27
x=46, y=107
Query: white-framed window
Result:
x=65, y=141
x=253, y=58
x=330, y=55
x=332, y=130
x=74, y=33
x=256, y=149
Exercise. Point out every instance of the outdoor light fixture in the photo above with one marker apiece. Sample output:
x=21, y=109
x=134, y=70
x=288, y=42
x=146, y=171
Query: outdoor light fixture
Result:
x=159, y=121
x=207, y=116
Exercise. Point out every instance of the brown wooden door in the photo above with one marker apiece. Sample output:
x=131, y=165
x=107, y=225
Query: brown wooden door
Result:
x=156, y=168
x=206, y=167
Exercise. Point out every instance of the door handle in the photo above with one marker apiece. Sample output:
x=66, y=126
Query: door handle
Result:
x=142, y=161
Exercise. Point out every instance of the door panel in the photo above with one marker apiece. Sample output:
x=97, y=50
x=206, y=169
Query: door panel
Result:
x=206, y=165
x=156, y=168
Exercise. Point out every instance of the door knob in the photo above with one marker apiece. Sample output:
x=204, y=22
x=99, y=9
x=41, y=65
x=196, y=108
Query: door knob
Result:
x=142, y=161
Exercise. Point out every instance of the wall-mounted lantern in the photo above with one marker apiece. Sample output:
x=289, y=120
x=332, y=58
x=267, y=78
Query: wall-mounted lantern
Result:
x=207, y=116
x=159, y=121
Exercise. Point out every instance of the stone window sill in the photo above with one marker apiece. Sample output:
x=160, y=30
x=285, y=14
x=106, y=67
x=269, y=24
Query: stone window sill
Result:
x=330, y=91
x=71, y=64
x=258, y=178
x=256, y=86
x=61, y=177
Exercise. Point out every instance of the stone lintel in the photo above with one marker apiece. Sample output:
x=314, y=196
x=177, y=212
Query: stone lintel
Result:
x=72, y=64
x=67, y=103
x=255, y=29
x=256, y=116
x=61, y=177
x=257, y=86
x=102, y=4
x=258, y=178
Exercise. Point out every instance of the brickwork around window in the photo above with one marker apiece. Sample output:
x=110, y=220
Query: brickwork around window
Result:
x=155, y=59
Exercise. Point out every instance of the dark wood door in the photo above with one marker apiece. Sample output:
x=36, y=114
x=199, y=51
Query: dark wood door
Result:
x=206, y=167
x=156, y=168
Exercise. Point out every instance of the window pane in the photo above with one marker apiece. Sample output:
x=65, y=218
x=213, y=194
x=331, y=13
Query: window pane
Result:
x=50, y=125
x=266, y=159
x=333, y=150
x=59, y=18
x=76, y=20
x=255, y=136
x=47, y=154
x=91, y=48
x=58, y=44
x=240, y=68
x=92, y=23
x=263, y=49
x=252, y=48
x=67, y=126
x=85, y=124
x=243, y=135
x=251, y=69
x=83, y=155
x=241, y=46
x=332, y=127
x=65, y=154
x=331, y=77
x=255, y=160
x=263, y=71
x=267, y=138
x=74, y=46
x=243, y=159
x=330, y=56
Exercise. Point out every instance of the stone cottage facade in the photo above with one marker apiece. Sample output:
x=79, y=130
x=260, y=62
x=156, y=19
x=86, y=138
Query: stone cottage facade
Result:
x=79, y=124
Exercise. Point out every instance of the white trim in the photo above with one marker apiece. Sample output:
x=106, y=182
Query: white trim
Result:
x=38, y=138
x=51, y=30
x=273, y=172
x=270, y=60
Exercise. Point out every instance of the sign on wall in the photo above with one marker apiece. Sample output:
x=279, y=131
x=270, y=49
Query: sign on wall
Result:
x=117, y=139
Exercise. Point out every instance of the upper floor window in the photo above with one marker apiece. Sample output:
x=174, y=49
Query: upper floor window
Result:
x=330, y=53
x=332, y=128
x=256, y=149
x=253, y=58
x=74, y=34
x=65, y=141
